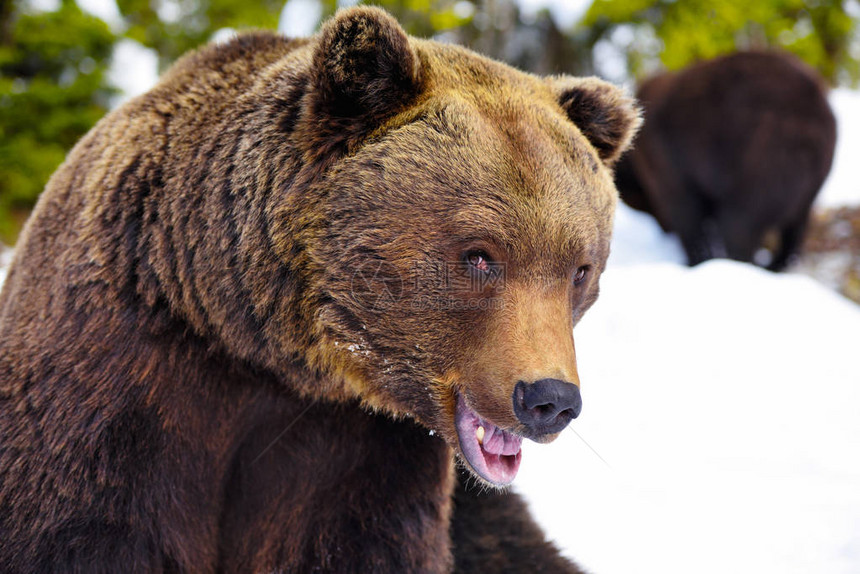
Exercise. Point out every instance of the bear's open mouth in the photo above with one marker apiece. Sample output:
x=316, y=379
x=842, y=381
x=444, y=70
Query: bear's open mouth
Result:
x=494, y=454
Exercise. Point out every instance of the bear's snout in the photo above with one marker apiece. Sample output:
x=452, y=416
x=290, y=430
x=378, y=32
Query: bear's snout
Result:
x=546, y=406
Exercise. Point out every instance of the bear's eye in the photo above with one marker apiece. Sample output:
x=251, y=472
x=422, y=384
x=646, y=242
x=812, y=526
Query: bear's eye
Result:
x=580, y=274
x=479, y=260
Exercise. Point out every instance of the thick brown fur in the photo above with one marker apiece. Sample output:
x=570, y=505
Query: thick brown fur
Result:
x=189, y=378
x=479, y=549
x=732, y=150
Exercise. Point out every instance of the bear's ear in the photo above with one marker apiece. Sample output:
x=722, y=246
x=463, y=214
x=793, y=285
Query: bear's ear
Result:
x=364, y=65
x=602, y=112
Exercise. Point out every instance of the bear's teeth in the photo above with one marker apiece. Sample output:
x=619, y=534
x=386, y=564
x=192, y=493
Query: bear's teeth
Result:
x=480, y=434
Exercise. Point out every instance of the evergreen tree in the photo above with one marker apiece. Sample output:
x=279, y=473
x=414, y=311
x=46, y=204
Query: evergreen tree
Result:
x=676, y=33
x=52, y=91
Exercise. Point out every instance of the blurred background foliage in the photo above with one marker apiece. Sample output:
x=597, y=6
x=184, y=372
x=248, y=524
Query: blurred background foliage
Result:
x=53, y=88
x=676, y=33
x=55, y=58
x=172, y=27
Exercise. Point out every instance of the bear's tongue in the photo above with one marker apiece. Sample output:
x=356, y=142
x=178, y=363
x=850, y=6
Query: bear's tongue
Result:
x=492, y=452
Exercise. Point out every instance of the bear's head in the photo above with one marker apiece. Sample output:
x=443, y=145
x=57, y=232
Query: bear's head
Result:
x=453, y=229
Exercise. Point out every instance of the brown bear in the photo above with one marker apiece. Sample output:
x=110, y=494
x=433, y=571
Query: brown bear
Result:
x=262, y=310
x=731, y=156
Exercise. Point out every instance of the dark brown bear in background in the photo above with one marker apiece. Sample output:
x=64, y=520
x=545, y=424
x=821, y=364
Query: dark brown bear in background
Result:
x=732, y=151
x=226, y=344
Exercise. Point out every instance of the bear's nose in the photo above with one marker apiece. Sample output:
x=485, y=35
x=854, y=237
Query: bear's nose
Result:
x=546, y=406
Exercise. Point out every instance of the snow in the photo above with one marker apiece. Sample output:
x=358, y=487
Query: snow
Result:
x=723, y=399
x=638, y=240
x=5, y=260
x=843, y=185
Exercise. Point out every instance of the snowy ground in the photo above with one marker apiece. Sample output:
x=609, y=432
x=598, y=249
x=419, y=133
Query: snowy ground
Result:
x=721, y=404
x=843, y=185
x=724, y=401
